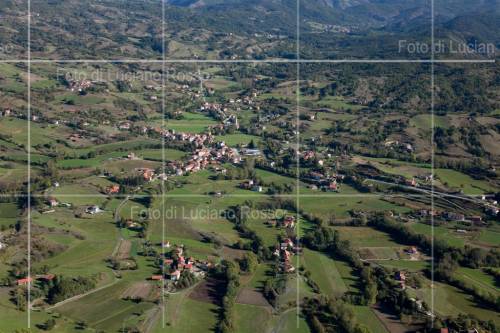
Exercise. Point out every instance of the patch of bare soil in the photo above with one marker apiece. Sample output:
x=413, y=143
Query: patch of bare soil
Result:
x=392, y=323
x=123, y=249
x=208, y=291
x=231, y=254
x=138, y=290
x=252, y=297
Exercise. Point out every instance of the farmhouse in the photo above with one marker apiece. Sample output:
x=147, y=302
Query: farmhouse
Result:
x=451, y=216
x=412, y=250
x=93, y=210
x=113, y=189
x=247, y=184
x=289, y=222
x=124, y=126
x=411, y=182
x=133, y=225
x=147, y=173
x=257, y=188
x=24, y=281
x=45, y=277
x=477, y=220
x=53, y=202
x=156, y=277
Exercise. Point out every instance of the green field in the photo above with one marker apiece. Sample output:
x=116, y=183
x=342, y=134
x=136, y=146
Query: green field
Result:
x=339, y=205
x=450, y=301
x=490, y=237
x=366, y=317
x=440, y=232
x=424, y=122
x=366, y=237
x=408, y=265
x=237, y=139
x=246, y=314
x=190, y=123
x=463, y=182
x=325, y=273
x=8, y=214
x=105, y=309
x=184, y=314
x=479, y=279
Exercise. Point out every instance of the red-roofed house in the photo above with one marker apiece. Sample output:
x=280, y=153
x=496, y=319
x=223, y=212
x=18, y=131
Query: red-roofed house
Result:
x=156, y=277
x=24, y=281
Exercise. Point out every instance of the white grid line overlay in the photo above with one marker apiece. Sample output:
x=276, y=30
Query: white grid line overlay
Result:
x=28, y=301
x=470, y=198
x=297, y=199
x=163, y=158
x=249, y=61
x=433, y=154
x=298, y=61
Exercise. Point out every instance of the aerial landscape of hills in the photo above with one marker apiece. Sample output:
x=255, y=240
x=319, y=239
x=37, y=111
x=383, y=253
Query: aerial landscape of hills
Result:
x=249, y=166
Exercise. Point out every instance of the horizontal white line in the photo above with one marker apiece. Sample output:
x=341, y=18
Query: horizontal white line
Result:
x=319, y=195
x=271, y=61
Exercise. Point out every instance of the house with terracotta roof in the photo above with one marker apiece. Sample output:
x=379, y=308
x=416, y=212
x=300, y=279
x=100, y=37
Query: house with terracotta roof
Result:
x=24, y=281
x=113, y=189
x=156, y=277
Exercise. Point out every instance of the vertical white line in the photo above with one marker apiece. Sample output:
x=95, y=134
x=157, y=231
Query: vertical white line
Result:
x=202, y=89
x=297, y=203
x=163, y=69
x=28, y=303
x=432, y=157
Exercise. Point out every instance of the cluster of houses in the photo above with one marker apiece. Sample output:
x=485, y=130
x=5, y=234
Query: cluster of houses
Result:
x=53, y=203
x=287, y=222
x=324, y=182
x=284, y=252
x=490, y=206
x=221, y=111
x=148, y=174
x=199, y=140
x=251, y=185
x=451, y=216
x=227, y=123
x=399, y=145
x=79, y=85
x=178, y=263
x=204, y=157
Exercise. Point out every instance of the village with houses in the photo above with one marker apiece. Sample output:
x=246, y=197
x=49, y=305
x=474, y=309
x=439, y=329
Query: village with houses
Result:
x=233, y=197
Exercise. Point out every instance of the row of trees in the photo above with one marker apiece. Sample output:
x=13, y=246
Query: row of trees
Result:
x=61, y=288
x=331, y=315
x=228, y=272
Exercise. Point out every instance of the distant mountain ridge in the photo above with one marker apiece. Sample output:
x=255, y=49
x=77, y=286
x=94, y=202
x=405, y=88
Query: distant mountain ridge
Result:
x=363, y=13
